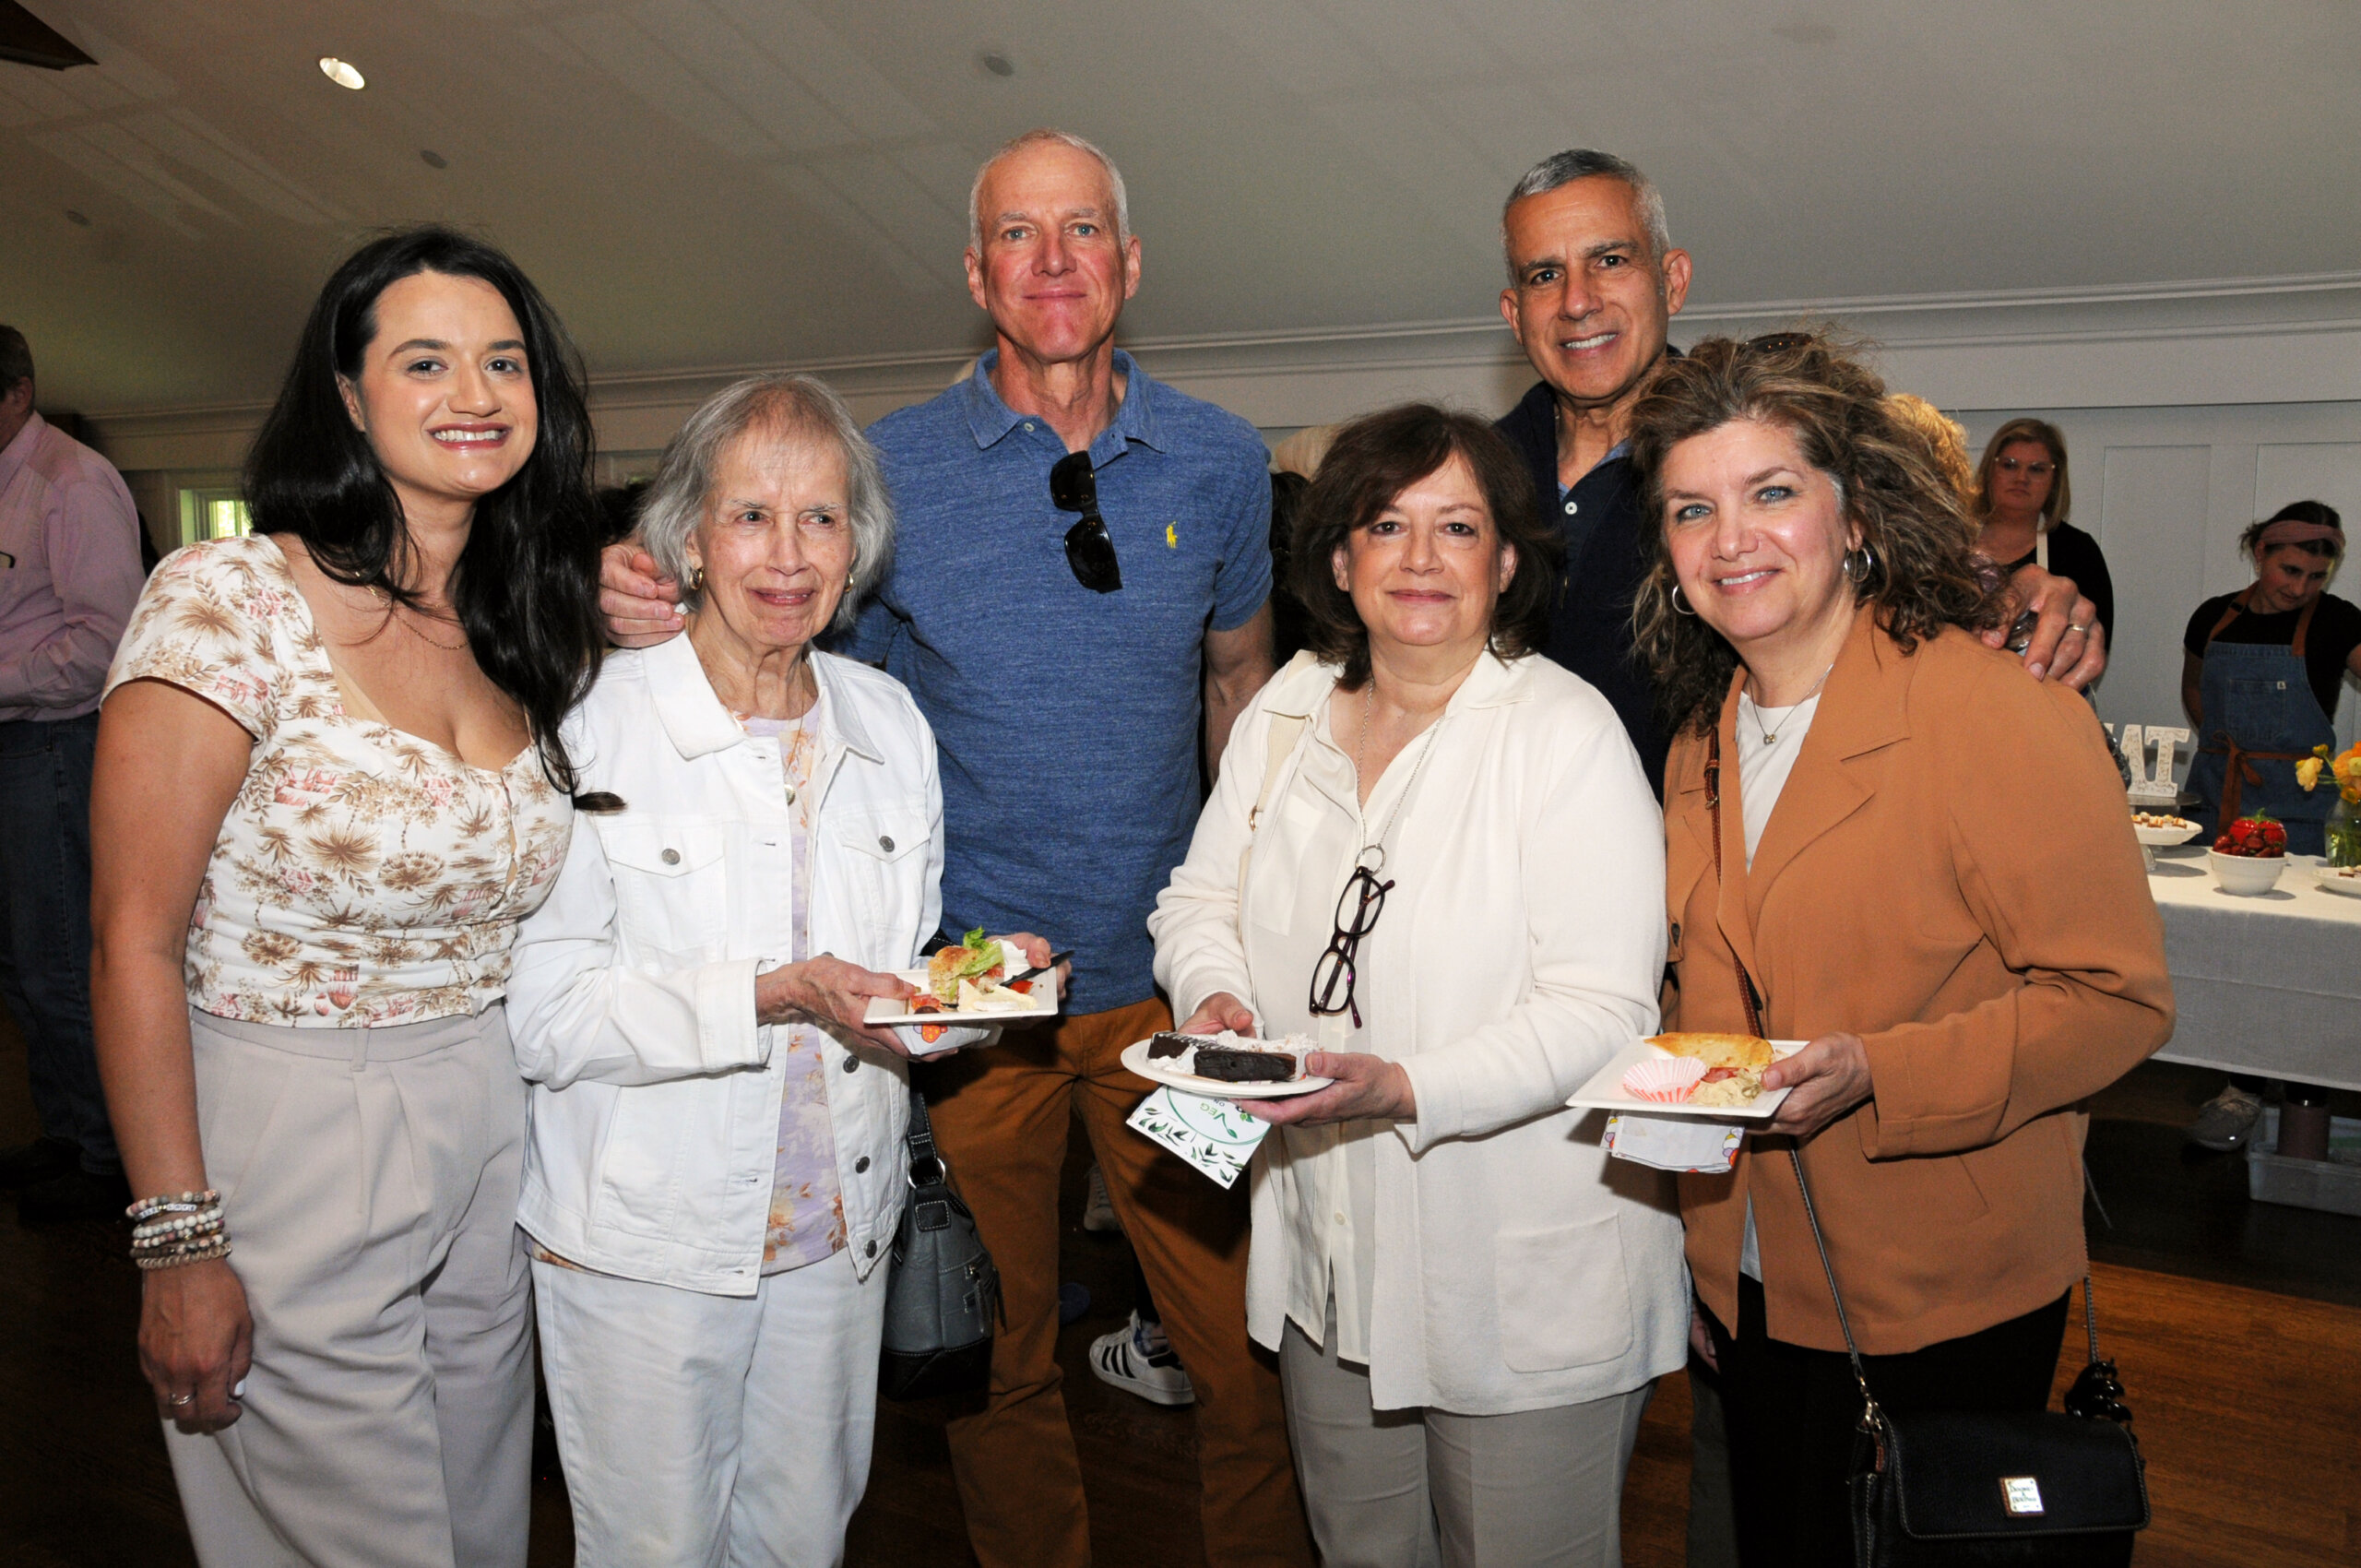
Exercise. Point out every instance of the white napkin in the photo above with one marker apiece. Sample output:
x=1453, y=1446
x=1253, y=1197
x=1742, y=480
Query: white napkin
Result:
x=1673, y=1142
x=1214, y=1135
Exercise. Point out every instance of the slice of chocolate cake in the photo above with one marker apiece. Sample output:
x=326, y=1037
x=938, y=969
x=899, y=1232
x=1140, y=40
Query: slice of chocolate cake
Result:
x=1165, y=1044
x=1231, y=1066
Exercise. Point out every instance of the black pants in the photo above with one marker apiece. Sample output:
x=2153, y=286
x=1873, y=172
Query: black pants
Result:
x=1792, y=1415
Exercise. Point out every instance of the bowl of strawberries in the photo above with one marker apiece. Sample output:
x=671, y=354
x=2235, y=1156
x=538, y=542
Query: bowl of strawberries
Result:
x=2249, y=854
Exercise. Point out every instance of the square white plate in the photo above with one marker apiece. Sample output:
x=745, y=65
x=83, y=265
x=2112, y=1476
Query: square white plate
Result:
x=1605, y=1088
x=884, y=1010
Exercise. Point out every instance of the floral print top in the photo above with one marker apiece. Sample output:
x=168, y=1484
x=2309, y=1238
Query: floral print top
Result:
x=363, y=876
x=807, y=1217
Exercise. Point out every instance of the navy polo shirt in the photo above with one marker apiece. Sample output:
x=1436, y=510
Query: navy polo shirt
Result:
x=1590, y=632
x=1066, y=721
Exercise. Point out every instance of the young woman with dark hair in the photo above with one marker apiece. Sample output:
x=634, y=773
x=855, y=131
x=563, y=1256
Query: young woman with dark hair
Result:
x=329, y=785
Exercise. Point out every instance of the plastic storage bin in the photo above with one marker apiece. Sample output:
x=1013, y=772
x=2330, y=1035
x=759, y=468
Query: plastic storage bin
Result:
x=2334, y=1184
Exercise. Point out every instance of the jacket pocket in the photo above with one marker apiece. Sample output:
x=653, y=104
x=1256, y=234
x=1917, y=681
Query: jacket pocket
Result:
x=881, y=854
x=672, y=886
x=1565, y=1298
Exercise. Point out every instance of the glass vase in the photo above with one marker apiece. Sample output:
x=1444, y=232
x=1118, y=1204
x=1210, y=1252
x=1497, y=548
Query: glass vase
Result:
x=2344, y=833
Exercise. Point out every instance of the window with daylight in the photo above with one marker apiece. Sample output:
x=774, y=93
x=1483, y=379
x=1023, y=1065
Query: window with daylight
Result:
x=213, y=514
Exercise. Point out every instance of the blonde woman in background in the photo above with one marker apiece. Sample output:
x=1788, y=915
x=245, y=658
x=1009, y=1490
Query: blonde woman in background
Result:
x=2021, y=501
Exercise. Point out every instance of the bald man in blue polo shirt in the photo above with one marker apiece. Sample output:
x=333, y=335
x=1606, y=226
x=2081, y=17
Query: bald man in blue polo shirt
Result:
x=1081, y=575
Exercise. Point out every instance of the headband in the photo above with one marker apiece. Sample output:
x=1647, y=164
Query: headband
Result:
x=2293, y=530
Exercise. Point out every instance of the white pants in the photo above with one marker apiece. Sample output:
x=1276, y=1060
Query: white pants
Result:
x=369, y=1179
x=713, y=1432
x=1423, y=1487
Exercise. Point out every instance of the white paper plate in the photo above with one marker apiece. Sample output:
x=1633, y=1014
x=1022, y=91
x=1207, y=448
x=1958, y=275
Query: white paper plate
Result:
x=1135, y=1058
x=884, y=1010
x=1605, y=1088
x=2166, y=838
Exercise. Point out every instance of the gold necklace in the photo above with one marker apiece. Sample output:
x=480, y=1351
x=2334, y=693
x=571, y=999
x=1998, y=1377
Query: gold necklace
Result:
x=1771, y=736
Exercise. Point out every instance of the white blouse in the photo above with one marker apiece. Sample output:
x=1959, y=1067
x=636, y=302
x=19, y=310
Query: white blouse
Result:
x=1330, y=1238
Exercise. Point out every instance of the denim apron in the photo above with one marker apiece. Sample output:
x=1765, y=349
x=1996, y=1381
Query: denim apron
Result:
x=2260, y=720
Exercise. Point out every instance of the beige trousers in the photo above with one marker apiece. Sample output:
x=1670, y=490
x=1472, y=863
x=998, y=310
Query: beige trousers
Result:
x=1427, y=1489
x=369, y=1180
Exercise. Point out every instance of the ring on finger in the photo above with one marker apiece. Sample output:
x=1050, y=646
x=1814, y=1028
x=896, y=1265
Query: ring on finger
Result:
x=177, y=1400
x=2074, y=628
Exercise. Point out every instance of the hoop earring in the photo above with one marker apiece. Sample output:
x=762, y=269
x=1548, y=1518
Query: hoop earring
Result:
x=1679, y=608
x=1858, y=564
x=696, y=580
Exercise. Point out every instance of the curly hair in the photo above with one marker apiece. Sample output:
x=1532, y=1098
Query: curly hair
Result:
x=1374, y=459
x=1922, y=572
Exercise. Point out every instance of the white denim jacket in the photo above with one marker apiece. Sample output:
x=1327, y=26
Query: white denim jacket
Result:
x=656, y=1104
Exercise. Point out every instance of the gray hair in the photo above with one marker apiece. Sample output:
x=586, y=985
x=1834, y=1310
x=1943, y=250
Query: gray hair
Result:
x=1036, y=138
x=1587, y=164
x=15, y=360
x=777, y=405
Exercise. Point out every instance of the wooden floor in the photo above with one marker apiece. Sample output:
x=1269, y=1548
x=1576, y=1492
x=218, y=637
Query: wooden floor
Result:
x=2248, y=1406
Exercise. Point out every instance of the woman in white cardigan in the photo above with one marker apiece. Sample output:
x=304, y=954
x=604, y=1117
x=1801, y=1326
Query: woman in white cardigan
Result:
x=715, y=1167
x=1436, y=853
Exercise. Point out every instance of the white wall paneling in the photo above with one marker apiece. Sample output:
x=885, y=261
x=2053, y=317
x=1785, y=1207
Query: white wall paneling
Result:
x=2166, y=492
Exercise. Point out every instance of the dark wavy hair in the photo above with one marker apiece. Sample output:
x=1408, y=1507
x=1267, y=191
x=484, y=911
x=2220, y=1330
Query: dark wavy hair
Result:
x=1923, y=574
x=526, y=586
x=1375, y=458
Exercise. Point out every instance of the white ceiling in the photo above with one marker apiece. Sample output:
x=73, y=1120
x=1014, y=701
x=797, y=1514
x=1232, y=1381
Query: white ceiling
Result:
x=717, y=183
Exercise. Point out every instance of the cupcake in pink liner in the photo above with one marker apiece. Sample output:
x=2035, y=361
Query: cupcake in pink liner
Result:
x=1666, y=1080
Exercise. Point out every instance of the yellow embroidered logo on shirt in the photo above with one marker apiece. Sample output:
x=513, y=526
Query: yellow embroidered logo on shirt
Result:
x=1172, y=536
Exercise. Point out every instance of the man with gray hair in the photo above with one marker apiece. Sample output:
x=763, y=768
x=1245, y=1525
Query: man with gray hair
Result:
x=1594, y=283
x=1078, y=595
x=69, y=574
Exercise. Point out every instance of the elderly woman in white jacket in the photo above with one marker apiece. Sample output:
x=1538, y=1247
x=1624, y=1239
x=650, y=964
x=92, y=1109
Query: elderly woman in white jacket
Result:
x=1436, y=853
x=715, y=1167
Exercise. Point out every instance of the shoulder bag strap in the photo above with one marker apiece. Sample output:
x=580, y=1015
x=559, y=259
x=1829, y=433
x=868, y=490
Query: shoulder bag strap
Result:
x=919, y=1141
x=1286, y=729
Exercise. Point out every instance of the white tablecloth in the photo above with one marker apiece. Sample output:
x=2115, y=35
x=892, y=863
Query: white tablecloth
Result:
x=2269, y=984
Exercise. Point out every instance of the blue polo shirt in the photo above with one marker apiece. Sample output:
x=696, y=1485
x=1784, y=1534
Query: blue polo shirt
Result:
x=1066, y=721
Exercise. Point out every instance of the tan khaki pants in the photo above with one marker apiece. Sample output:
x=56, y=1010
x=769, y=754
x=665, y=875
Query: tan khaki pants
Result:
x=1001, y=1116
x=369, y=1181
x=1427, y=1489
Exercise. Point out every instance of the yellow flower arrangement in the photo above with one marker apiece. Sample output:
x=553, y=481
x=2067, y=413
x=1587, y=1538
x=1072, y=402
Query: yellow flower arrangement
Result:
x=2344, y=770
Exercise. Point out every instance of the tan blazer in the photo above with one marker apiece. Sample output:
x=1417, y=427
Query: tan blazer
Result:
x=1951, y=874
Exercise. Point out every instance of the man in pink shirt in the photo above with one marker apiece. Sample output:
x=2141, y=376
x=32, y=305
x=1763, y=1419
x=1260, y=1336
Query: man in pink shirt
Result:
x=69, y=573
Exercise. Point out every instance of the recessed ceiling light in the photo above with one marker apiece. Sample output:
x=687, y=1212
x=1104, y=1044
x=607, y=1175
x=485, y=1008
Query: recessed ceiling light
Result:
x=432, y=158
x=79, y=220
x=342, y=72
x=998, y=64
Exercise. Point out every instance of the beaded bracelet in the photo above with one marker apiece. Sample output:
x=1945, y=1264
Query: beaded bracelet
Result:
x=156, y=1235
x=171, y=1203
x=205, y=1251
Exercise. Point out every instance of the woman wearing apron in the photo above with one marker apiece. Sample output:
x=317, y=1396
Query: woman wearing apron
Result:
x=2262, y=671
x=2260, y=681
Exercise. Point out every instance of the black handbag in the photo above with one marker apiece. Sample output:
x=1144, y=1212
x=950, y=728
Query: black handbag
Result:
x=944, y=1293
x=1980, y=1489
x=2030, y=1488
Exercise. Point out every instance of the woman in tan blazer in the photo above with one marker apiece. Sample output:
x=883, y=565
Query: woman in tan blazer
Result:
x=1924, y=869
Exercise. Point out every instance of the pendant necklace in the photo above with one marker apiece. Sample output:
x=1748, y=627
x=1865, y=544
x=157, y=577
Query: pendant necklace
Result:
x=1361, y=754
x=1770, y=735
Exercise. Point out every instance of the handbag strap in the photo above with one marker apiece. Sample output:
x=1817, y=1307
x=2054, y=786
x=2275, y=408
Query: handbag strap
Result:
x=1871, y=1418
x=919, y=1141
x=1285, y=730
